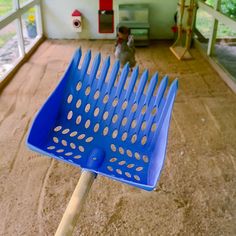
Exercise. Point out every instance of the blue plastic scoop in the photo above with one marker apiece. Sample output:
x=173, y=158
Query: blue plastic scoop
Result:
x=106, y=128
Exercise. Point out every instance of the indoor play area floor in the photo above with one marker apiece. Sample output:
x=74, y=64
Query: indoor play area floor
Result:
x=225, y=55
x=197, y=189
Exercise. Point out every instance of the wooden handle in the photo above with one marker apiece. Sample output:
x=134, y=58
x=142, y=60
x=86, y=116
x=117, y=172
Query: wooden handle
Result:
x=75, y=205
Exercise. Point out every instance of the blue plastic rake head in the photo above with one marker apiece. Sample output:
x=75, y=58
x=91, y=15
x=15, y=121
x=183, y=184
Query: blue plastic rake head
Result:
x=105, y=128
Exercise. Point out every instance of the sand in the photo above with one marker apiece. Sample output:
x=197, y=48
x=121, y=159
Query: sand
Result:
x=196, y=194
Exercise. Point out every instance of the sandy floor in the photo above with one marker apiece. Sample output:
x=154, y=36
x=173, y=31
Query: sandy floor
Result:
x=197, y=190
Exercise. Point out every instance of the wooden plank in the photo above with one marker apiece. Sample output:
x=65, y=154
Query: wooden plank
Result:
x=181, y=53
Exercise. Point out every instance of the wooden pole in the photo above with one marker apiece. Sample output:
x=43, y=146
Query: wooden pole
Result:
x=75, y=205
x=180, y=26
x=189, y=27
x=212, y=38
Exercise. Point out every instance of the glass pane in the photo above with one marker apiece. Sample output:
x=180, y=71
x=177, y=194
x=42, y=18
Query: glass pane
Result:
x=204, y=23
x=210, y=2
x=23, y=2
x=29, y=27
x=133, y=13
x=106, y=22
x=225, y=48
x=6, y=6
x=9, y=51
x=226, y=32
x=228, y=7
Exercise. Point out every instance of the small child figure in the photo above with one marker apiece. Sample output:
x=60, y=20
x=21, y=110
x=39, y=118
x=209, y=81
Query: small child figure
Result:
x=124, y=47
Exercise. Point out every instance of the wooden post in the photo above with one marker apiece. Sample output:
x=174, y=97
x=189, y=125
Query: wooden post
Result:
x=75, y=205
x=212, y=38
x=181, y=6
x=190, y=22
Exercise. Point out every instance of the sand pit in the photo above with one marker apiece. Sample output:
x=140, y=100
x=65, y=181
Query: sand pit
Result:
x=196, y=194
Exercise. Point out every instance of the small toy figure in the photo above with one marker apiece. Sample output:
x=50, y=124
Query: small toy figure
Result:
x=124, y=48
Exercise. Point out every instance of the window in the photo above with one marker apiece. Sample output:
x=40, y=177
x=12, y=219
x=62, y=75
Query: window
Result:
x=204, y=22
x=225, y=48
x=20, y=30
x=215, y=29
x=9, y=49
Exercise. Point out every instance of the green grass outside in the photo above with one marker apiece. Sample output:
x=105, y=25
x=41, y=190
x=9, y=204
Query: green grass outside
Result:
x=204, y=21
x=227, y=7
x=204, y=24
x=5, y=7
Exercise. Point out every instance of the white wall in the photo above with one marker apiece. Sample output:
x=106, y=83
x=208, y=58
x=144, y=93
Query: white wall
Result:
x=57, y=18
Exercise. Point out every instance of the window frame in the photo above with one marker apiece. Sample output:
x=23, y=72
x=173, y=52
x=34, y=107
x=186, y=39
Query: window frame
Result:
x=217, y=17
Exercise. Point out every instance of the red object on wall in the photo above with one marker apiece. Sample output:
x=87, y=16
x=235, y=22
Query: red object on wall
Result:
x=105, y=5
x=76, y=13
x=105, y=16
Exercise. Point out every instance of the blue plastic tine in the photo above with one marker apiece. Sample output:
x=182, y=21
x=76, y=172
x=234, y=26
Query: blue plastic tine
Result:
x=159, y=96
x=85, y=64
x=133, y=79
x=113, y=75
x=167, y=107
x=151, y=88
x=138, y=95
x=122, y=79
x=141, y=86
x=94, y=68
x=104, y=71
x=76, y=58
x=149, y=125
x=149, y=95
x=173, y=88
x=161, y=91
x=128, y=93
x=120, y=87
x=101, y=81
x=169, y=98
